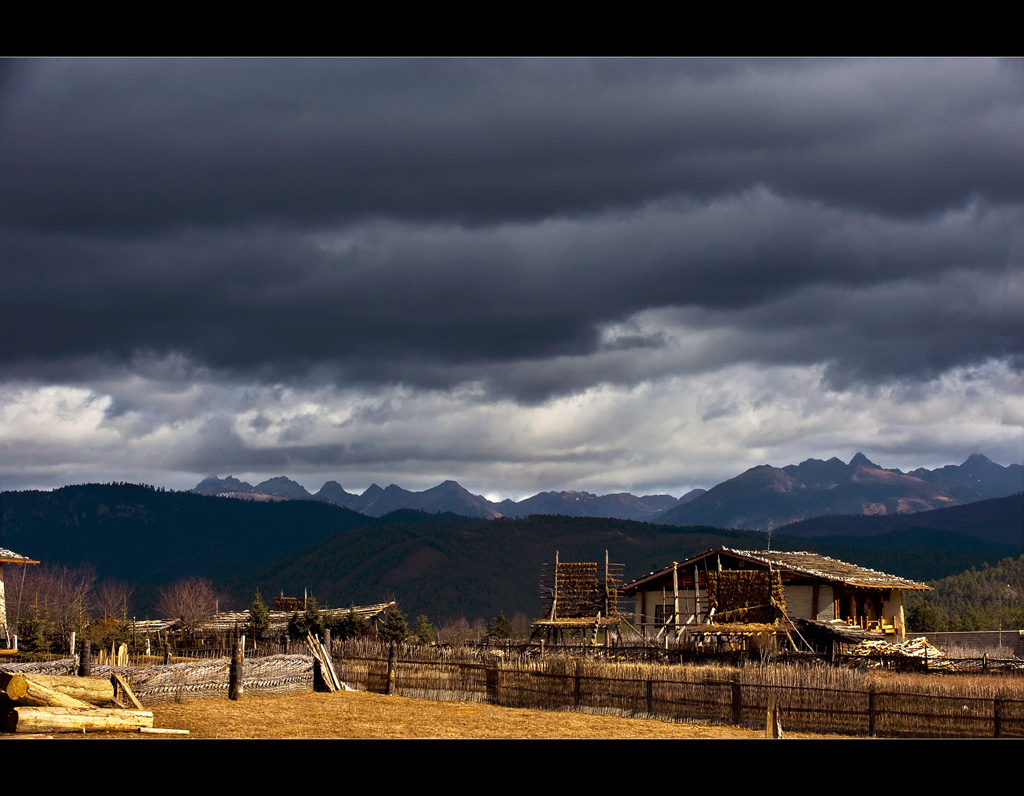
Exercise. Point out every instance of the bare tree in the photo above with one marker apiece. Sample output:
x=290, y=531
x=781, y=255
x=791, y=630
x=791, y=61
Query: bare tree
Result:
x=455, y=632
x=111, y=598
x=59, y=593
x=191, y=601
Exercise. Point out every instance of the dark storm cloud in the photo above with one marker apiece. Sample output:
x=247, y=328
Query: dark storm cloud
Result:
x=437, y=222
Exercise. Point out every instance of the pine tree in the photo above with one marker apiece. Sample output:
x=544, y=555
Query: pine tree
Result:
x=395, y=628
x=259, y=616
x=499, y=627
x=425, y=631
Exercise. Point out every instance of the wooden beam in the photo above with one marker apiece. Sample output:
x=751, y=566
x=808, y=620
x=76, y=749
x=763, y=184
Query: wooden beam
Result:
x=119, y=680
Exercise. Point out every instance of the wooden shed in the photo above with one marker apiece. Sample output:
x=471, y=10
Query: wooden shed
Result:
x=8, y=557
x=760, y=588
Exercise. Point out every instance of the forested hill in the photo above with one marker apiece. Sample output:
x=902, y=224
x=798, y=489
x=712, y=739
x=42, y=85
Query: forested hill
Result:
x=985, y=598
x=145, y=535
x=439, y=564
x=996, y=521
x=449, y=567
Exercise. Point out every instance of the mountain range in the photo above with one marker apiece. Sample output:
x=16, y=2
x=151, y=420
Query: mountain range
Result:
x=438, y=564
x=762, y=498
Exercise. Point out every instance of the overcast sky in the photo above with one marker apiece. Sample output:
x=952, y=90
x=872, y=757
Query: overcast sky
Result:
x=609, y=276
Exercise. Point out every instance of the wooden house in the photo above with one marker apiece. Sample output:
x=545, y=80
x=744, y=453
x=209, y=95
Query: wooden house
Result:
x=8, y=557
x=749, y=591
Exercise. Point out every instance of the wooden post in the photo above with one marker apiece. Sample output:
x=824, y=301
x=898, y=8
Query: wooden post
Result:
x=675, y=599
x=650, y=696
x=997, y=718
x=577, y=691
x=235, y=676
x=696, y=594
x=554, y=596
x=85, y=662
x=167, y=653
x=737, y=700
x=872, y=710
x=492, y=683
x=773, y=726
x=389, y=688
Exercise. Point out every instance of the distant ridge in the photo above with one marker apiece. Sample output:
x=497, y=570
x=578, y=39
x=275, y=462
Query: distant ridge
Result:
x=763, y=497
x=767, y=497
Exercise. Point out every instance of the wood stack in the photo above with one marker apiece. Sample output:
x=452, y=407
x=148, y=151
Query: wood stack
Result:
x=37, y=703
x=323, y=657
x=912, y=648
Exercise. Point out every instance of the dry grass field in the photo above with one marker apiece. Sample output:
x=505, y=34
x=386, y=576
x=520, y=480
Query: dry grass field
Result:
x=358, y=714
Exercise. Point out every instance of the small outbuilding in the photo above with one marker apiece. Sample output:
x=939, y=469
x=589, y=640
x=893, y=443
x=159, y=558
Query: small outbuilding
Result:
x=8, y=557
x=749, y=591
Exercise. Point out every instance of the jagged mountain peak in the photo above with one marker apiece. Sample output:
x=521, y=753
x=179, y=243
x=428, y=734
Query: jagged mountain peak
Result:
x=860, y=460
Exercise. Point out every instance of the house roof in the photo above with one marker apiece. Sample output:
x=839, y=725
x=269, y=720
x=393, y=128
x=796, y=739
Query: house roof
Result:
x=227, y=621
x=10, y=557
x=804, y=563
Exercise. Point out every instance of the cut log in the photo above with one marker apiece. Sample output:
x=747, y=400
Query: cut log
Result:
x=13, y=686
x=89, y=719
x=40, y=695
x=94, y=690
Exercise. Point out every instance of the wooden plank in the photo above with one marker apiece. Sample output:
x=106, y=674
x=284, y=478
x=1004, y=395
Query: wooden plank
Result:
x=127, y=691
x=162, y=731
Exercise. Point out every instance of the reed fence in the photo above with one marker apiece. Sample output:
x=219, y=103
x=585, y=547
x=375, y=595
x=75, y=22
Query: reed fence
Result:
x=198, y=679
x=810, y=698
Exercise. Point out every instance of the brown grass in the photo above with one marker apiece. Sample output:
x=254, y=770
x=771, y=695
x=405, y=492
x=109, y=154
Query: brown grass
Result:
x=358, y=714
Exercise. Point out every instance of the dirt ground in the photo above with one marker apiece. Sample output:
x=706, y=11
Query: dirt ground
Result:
x=357, y=714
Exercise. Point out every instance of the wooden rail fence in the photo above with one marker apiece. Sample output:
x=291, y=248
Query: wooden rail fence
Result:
x=867, y=712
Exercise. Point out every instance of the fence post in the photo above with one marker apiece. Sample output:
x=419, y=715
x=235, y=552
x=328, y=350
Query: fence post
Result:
x=997, y=717
x=577, y=694
x=737, y=700
x=167, y=653
x=650, y=696
x=235, y=675
x=773, y=723
x=389, y=688
x=872, y=710
x=85, y=662
x=492, y=683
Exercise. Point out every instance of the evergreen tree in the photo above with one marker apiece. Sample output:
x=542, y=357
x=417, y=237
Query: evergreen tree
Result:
x=311, y=621
x=259, y=616
x=395, y=628
x=499, y=627
x=425, y=631
x=349, y=626
x=32, y=635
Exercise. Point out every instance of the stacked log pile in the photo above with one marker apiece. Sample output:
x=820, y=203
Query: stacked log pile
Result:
x=38, y=703
x=875, y=651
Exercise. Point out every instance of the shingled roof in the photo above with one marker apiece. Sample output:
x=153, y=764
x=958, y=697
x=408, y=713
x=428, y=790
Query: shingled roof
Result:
x=826, y=568
x=10, y=557
x=805, y=563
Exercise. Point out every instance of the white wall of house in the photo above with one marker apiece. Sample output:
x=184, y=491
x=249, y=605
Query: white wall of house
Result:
x=647, y=604
x=800, y=602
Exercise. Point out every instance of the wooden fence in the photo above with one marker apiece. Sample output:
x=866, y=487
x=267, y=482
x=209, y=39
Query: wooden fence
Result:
x=198, y=679
x=679, y=694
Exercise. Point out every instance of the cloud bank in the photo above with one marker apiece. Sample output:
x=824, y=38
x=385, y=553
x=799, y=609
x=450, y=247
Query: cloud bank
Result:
x=522, y=274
